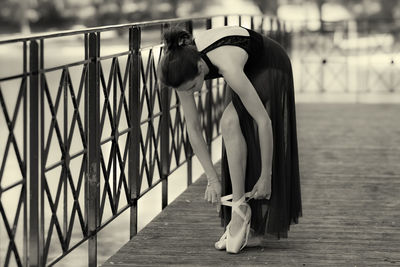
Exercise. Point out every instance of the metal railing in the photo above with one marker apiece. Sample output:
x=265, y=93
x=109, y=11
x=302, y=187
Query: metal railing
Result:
x=346, y=57
x=78, y=144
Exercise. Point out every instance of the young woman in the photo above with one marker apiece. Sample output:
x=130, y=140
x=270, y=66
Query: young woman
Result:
x=258, y=126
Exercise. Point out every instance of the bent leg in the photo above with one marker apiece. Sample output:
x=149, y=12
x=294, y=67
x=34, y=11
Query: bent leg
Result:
x=236, y=151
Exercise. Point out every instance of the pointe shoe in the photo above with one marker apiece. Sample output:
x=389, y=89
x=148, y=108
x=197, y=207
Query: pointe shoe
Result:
x=221, y=243
x=233, y=244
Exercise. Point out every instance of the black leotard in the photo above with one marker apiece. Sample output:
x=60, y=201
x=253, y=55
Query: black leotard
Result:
x=252, y=44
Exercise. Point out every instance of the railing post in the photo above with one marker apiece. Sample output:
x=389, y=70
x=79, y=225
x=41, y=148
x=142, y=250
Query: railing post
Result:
x=252, y=22
x=93, y=147
x=34, y=234
x=271, y=30
x=285, y=37
x=189, y=26
x=189, y=151
x=165, y=157
x=209, y=105
x=278, y=31
x=134, y=135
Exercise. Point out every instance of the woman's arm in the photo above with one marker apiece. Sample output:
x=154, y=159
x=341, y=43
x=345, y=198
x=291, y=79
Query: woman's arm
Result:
x=239, y=82
x=195, y=134
x=232, y=70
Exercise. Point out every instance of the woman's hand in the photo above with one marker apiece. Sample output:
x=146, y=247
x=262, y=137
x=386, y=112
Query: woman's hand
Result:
x=262, y=189
x=213, y=192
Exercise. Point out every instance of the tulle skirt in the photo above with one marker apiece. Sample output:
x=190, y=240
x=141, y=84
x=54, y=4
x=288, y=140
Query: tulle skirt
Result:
x=271, y=75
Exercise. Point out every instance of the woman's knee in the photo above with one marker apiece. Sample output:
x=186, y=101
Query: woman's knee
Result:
x=230, y=125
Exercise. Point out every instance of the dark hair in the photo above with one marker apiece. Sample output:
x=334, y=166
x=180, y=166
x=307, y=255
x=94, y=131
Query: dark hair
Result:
x=179, y=62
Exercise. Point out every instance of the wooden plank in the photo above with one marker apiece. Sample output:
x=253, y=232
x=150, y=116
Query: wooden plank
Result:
x=350, y=176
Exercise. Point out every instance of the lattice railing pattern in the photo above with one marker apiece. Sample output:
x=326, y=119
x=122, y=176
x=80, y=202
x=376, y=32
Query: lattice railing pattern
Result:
x=150, y=126
x=13, y=170
x=347, y=57
x=102, y=132
x=114, y=122
x=63, y=159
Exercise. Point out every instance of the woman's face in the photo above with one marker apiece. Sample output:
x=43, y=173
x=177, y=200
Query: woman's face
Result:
x=193, y=85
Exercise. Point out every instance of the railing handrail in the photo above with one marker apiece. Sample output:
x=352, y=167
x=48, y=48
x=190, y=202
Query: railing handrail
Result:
x=102, y=180
x=65, y=33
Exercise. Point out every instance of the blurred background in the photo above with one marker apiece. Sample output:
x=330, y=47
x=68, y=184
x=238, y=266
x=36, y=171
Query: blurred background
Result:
x=47, y=15
x=341, y=51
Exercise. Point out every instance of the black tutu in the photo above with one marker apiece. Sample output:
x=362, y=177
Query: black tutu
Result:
x=269, y=70
x=271, y=75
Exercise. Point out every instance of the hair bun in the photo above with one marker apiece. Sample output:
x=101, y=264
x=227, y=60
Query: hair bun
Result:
x=175, y=38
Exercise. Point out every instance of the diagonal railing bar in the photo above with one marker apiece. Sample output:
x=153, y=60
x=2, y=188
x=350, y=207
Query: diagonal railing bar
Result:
x=107, y=172
x=154, y=95
x=379, y=76
x=54, y=219
x=53, y=111
x=106, y=91
x=107, y=188
x=76, y=101
x=115, y=120
x=312, y=76
x=155, y=137
x=122, y=177
x=11, y=186
x=12, y=231
x=334, y=77
x=172, y=147
x=10, y=237
x=174, y=129
x=76, y=208
x=180, y=128
x=146, y=94
x=143, y=145
x=150, y=130
x=149, y=146
x=122, y=104
x=312, y=45
x=126, y=89
x=115, y=72
x=143, y=82
x=11, y=125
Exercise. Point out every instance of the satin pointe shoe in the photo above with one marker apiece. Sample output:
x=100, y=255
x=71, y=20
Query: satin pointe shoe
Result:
x=221, y=243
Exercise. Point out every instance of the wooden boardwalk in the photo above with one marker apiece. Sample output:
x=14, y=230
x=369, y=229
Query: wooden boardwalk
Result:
x=350, y=171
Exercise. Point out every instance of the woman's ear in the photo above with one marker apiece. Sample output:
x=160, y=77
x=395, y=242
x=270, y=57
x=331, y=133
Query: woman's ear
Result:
x=200, y=66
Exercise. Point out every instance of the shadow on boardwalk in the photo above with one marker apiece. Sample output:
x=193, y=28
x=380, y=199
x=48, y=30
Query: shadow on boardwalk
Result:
x=350, y=166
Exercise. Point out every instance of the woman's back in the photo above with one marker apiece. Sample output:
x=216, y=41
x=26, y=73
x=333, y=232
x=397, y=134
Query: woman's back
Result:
x=206, y=38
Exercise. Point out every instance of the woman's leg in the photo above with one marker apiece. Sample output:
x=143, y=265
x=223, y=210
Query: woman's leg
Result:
x=236, y=151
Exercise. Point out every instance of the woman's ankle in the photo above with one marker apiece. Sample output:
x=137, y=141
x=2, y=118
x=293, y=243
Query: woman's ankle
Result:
x=237, y=197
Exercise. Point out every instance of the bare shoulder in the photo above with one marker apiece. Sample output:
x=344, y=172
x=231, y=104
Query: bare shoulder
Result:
x=228, y=58
x=207, y=37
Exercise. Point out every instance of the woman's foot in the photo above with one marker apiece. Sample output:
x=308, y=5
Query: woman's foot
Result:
x=254, y=240
x=236, y=241
x=241, y=215
x=237, y=221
